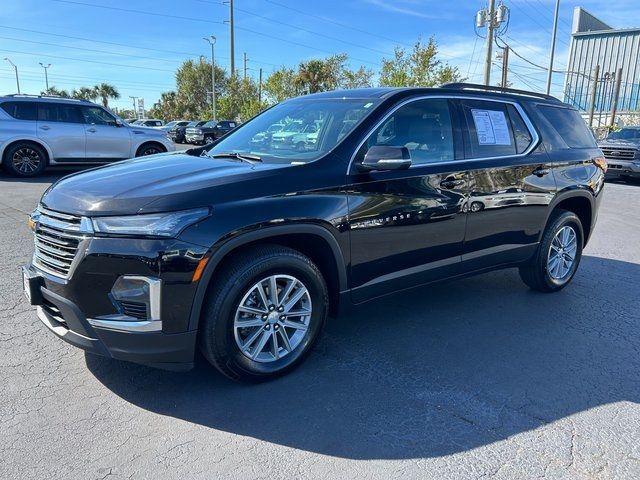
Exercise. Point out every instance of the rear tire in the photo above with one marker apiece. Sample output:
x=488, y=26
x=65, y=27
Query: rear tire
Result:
x=241, y=317
x=25, y=159
x=558, y=255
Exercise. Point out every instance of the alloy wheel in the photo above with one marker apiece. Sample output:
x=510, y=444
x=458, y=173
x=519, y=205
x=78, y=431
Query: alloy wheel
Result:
x=562, y=253
x=272, y=319
x=26, y=160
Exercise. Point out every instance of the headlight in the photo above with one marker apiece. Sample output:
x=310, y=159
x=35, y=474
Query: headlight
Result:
x=168, y=224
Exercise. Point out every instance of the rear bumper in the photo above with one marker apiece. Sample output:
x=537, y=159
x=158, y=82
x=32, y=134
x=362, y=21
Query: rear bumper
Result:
x=156, y=349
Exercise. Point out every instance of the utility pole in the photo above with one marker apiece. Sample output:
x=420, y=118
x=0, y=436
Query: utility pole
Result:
x=616, y=95
x=232, y=39
x=260, y=87
x=16, y=69
x=553, y=45
x=594, y=91
x=490, y=31
x=46, y=77
x=245, y=65
x=212, y=41
x=505, y=66
x=491, y=18
x=135, y=107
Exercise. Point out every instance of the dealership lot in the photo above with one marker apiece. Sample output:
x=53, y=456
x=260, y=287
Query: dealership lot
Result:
x=479, y=377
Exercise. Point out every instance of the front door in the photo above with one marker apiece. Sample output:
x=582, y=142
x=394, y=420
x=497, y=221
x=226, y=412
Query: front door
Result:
x=511, y=184
x=60, y=126
x=407, y=226
x=106, y=140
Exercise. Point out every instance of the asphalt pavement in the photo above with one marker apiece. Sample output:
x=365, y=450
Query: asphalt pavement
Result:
x=478, y=378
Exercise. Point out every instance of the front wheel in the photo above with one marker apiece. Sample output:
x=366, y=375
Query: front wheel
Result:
x=25, y=159
x=558, y=256
x=208, y=139
x=264, y=312
x=149, y=149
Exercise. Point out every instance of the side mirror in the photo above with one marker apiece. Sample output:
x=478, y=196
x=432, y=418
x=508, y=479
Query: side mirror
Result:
x=119, y=122
x=383, y=157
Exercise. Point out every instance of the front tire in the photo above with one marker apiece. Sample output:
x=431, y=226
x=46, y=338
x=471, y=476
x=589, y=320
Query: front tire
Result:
x=25, y=159
x=263, y=313
x=208, y=139
x=150, y=149
x=558, y=255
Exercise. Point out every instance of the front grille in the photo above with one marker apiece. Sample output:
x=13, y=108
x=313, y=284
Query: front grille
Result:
x=615, y=153
x=56, y=240
x=134, y=309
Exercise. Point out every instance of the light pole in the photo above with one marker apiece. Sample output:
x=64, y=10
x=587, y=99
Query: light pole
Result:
x=212, y=42
x=16, y=69
x=135, y=109
x=46, y=77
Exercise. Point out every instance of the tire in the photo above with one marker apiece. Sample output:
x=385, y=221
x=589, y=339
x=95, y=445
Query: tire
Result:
x=300, y=147
x=222, y=335
x=208, y=139
x=150, y=149
x=542, y=273
x=476, y=206
x=25, y=159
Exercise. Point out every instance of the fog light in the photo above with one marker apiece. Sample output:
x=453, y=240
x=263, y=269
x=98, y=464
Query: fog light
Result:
x=137, y=297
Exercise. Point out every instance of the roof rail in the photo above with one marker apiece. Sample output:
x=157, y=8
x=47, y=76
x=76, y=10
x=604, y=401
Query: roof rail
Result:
x=490, y=88
x=27, y=95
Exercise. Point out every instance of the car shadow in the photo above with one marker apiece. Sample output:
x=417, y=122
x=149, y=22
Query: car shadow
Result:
x=426, y=373
x=50, y=175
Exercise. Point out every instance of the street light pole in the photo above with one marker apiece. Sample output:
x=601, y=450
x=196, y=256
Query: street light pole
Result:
x=16, y=69
x=212, y=42
x=46, y=77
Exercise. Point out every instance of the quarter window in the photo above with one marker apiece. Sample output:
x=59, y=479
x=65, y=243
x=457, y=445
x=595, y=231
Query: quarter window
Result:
x=21, y=110
x=423, y=126
x=570, y=125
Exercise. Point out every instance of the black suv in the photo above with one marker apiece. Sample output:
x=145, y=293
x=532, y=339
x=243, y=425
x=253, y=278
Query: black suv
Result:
x=242, y=252
x=209, y=132
x=177, y=133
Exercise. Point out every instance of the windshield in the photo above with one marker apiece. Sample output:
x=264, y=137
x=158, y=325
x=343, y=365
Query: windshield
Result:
x=210, y=124
x=625, y=134
x=297, y=131
x=192, y=124
x=171, y=124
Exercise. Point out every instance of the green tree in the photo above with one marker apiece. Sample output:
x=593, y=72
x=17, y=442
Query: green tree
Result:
x=57, y=92
x=105, y=91
x=193, y=84
x=418, y=68
x=281, y=84
x=240, y=101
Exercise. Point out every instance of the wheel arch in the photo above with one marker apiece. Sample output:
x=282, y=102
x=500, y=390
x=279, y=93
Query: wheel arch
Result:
x=5, y=146
x=312, y=240
x=580, y=202
x=150, y=142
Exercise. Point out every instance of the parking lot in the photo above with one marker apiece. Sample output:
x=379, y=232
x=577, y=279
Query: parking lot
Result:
x=474, y=378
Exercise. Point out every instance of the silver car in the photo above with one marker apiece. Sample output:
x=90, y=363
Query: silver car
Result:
x=40, y=131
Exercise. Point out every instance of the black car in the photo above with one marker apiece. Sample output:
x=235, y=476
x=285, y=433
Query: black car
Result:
x=621, y=148
x=243, y=254
x=209, y=132
x=177, y=133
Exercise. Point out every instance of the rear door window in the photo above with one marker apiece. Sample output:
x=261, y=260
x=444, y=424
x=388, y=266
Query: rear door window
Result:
x=569, y=125
x=489, y=132
x=59, y=112
x=21, y=110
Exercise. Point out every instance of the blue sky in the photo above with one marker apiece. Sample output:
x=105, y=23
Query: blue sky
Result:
x=138, y=44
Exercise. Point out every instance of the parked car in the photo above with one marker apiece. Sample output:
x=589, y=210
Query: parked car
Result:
x=36, y=131
x=261, y=139
x=622, y=151
x=243, y=254
x=178, y=133
x=209, y=132
x=174, y=123
x=149, y=122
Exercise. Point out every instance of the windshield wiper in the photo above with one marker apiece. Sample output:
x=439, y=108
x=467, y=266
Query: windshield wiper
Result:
x=247, y=157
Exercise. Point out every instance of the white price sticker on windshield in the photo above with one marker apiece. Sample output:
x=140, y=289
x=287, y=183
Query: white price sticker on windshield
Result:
x=491, y=127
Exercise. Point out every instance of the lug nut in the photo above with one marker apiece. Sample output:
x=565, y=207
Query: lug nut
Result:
x=283, y=317
x=267, y=326
x=271, y=308
x=275, y=327
x=264, y=316
x=281, y=308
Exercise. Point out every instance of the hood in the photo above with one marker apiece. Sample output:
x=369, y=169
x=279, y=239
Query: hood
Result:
x=611, y=142
x=157, y=131
x=172, y=181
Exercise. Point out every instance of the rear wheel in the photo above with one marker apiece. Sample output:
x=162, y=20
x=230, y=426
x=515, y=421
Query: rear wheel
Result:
x=558, y=255
x=264, y=312
x=25, y=159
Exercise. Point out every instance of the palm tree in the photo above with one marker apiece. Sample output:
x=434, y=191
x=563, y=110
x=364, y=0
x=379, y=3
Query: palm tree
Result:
x=106, y=91
x=56, y=92
x=85, y=93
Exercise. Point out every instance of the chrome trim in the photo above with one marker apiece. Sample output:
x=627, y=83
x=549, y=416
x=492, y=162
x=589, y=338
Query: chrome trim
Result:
x=124, y=323
x=535, y=137
x=155, y=294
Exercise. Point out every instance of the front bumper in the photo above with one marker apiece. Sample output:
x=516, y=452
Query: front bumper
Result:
x=191, y=138
x=623, y=168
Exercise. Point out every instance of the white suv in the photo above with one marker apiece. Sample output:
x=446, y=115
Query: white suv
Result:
x=40, y=131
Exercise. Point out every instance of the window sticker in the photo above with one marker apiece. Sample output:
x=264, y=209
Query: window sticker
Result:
x=491, y=127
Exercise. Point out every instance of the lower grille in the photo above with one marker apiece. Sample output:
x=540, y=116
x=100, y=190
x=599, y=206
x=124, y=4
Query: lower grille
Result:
x=134, y=309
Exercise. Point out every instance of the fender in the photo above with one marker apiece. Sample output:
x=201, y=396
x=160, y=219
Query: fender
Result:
x=221, y=252
x=565, y=194
x=26, y=138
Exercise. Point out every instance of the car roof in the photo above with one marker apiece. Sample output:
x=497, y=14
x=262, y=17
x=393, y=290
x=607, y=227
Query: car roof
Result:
x=43, y=98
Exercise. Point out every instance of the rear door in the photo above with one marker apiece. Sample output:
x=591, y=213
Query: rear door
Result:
x=106, y=140
x=61, y=127
x=510, y=183
x=408, y=226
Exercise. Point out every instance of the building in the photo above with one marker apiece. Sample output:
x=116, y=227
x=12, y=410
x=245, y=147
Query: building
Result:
x=593, y=42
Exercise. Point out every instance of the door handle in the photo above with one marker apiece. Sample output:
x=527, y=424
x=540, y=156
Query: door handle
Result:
x=44, y=127
x=541, y=172
x=92, y=130
x=449, y=184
